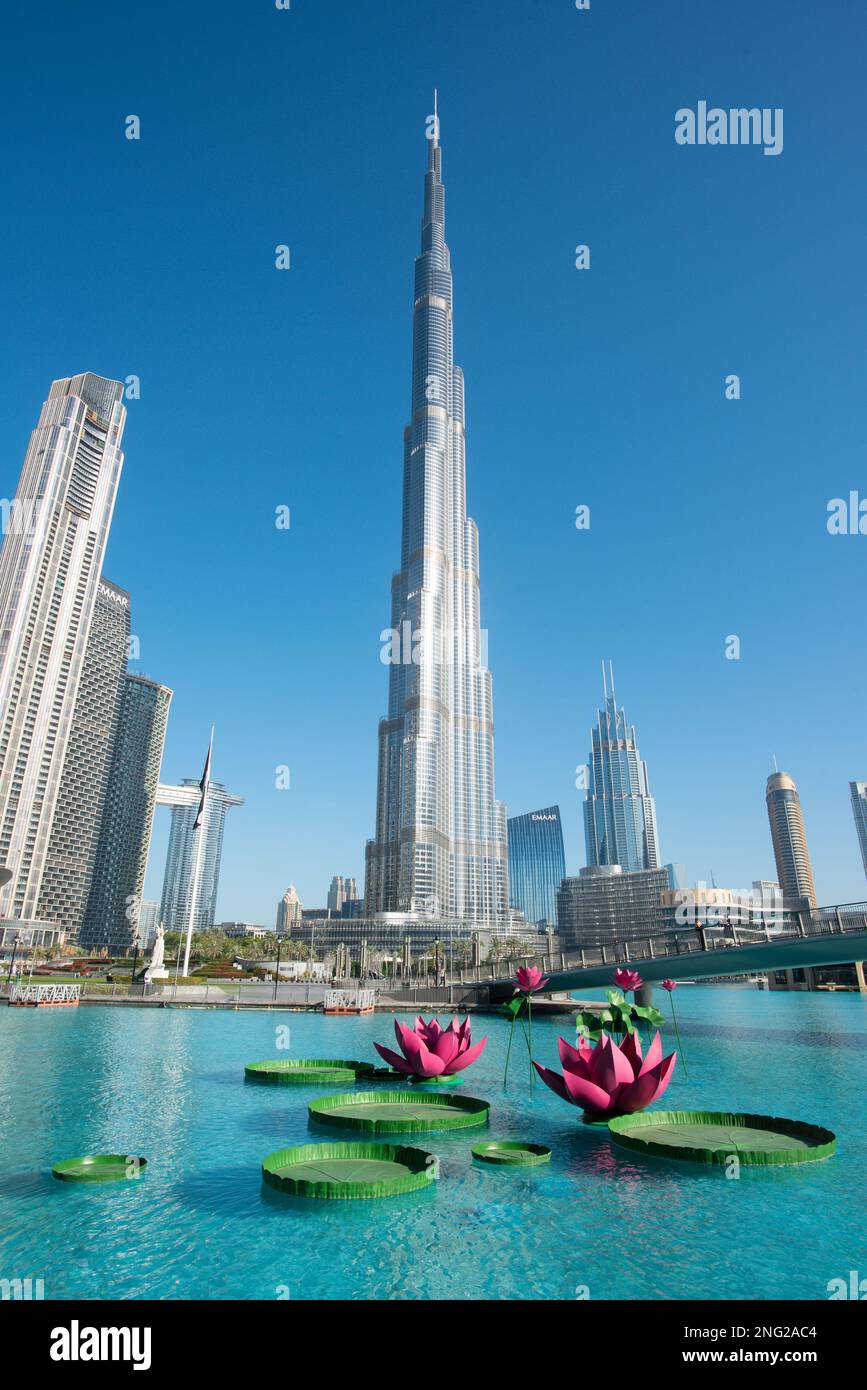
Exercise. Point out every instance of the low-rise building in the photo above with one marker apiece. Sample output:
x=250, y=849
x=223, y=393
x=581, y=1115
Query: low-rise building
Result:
x=252, y=929
x=29, y=932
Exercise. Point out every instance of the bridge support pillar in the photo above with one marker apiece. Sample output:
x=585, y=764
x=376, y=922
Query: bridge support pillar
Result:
x=859, y=977
x=644, y=996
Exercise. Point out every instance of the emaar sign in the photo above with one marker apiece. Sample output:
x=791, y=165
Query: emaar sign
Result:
x=113, y=594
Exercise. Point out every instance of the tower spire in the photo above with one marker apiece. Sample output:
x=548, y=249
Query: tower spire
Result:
x=619, y=811
x=432, y=136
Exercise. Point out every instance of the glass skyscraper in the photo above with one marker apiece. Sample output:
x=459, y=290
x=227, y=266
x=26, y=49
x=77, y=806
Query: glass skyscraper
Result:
x=72, y=850
x=440, y=847
x=859, y=811
x=181, y=855
x=537, y=864
x=111, y=918
x=619, y=812
x=50, y=567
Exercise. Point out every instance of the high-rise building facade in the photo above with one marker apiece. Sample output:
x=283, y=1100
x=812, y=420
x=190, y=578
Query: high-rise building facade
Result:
x=619, y=812
x=72, y=848
x=50, y=570
x=342, y=890
x=858, y=792
x=604, y=905
x=537, y=864
x=794, y=870
x=111, y=915
x=440, y=844
x=182, y=853
x=289, y=911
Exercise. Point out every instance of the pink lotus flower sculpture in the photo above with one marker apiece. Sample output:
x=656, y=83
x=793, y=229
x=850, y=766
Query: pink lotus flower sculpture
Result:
x=429, y=1050
x=627, y=979
x=610, y=1079
x=529, y=978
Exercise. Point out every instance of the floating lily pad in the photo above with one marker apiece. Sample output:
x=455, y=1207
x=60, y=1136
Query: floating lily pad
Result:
x=396, y=1112
x=708, y=1136
x=515, y=1153
x=341, y=1172
x=100, y=1168
x=304, y=1071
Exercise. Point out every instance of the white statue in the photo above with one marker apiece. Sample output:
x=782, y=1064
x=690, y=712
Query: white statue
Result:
x=156, y=969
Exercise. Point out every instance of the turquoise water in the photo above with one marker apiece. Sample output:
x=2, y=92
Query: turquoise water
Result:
x=169, y=1084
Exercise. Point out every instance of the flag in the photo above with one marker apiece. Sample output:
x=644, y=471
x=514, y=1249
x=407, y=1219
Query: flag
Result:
x=203, y=785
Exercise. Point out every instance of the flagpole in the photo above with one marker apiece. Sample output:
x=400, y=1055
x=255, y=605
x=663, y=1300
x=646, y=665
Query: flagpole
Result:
x=199, y=834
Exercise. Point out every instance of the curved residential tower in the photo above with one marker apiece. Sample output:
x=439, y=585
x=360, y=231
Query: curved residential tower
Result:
x=440, y=846
x=50, y=566
x=794, y=870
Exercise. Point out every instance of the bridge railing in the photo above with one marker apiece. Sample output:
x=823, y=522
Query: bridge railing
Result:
x=824, y=921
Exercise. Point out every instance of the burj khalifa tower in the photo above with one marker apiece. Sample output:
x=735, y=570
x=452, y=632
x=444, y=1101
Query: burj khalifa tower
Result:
x=441, y=847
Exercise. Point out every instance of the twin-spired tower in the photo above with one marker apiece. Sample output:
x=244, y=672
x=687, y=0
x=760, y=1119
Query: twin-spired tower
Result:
x=441, y=847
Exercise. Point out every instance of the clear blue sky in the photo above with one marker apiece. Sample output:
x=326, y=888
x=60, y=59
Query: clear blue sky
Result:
x=604, y=387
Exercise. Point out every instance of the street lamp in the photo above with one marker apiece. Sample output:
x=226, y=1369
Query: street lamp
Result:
x=12, y=961
x=277, y=971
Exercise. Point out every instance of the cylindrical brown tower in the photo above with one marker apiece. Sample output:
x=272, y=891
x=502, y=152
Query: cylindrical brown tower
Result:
x=794, y=870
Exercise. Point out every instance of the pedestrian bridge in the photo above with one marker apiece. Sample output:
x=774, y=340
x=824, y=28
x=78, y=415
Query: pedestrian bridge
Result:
x=827, y=936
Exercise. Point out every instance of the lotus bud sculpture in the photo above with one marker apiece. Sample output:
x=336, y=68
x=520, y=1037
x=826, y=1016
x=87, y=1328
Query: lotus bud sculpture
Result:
x=671, y=986
x=610, y=1079
x=528, y=980
x=429, y=1050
